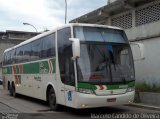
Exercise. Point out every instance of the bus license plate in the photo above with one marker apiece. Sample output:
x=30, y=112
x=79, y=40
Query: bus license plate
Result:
x=111, y=100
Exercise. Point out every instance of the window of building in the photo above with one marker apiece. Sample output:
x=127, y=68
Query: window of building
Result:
x=148, y=14
x=123, y=21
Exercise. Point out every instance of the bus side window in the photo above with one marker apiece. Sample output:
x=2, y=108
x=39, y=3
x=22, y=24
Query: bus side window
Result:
x=26, y=53
x=12, y=60
x=9, y=57
x=19, y=54
x=48, y=49
x=4, y=58
x=12, y=54
x=65, y=54
x=52, y=51
x=36, y=47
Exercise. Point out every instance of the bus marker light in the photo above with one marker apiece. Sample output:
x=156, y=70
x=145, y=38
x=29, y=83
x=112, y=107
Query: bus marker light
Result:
x=84, y=105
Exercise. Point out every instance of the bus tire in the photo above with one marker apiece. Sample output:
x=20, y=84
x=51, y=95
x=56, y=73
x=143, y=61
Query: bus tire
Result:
x=52, y=100
x=10, y=90
x=8, y=85
x=14, y=90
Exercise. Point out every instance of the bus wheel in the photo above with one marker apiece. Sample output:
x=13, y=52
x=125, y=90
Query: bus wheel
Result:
x=8, y=85
x=13, y=90
x=52, y=100
x=10, y=90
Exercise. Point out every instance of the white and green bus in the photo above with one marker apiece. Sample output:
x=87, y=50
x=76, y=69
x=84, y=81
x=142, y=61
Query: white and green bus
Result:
x=78, y=65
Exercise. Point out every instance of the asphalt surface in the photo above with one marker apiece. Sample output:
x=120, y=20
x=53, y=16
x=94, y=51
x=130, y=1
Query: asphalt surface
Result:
x=23, y=107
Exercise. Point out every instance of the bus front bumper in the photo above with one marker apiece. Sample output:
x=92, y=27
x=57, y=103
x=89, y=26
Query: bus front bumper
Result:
x=91, y=101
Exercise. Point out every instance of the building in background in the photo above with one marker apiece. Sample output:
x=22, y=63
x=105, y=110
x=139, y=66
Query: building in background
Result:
x=10, y=38
x=141, y=21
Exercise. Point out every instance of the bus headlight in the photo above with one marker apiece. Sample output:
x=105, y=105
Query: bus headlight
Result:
x=130, y=89
x=86, y=91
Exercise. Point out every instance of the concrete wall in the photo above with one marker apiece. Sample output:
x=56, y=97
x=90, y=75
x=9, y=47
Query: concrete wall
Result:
x=148, y=70
x=143, y=31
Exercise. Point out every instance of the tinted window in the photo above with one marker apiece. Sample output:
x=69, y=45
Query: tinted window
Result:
x=19, y=54
x=36, y=47
x=100, y=34
x=36, y=50
x=7, y=57
x=26, y=53
x=4, y=58
x=12, y=56
x=48, y=49
x=65, y=55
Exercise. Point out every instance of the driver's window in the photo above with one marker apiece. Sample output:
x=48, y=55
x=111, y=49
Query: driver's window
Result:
x=64, y=55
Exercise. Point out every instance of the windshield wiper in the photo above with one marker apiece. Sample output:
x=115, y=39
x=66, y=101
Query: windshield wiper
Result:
x=114, y=64
x=122, y=75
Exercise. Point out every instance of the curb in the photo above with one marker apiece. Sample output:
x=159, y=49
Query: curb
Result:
x=144, y=106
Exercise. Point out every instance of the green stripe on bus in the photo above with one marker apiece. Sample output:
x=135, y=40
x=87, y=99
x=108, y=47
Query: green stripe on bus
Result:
x=87, y=86
x=32, y=68
x=7, y=70
x=120, y=86
x=41, y=67
x=109, y=87
x=44, y=67
x=131, y=84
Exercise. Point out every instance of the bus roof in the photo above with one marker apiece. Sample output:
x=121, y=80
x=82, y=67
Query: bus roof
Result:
x=58, y=28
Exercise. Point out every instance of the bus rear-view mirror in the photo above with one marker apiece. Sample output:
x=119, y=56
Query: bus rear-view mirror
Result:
x=75, y=47
x=138, y=51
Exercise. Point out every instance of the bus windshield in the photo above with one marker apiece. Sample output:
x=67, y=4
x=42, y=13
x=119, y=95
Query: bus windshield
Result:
x=100, y=34
x=104, y=62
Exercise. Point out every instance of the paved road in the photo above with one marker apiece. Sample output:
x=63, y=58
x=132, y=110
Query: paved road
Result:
x=24, y=107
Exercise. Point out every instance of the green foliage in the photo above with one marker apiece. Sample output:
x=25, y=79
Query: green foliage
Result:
x=143, y=87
